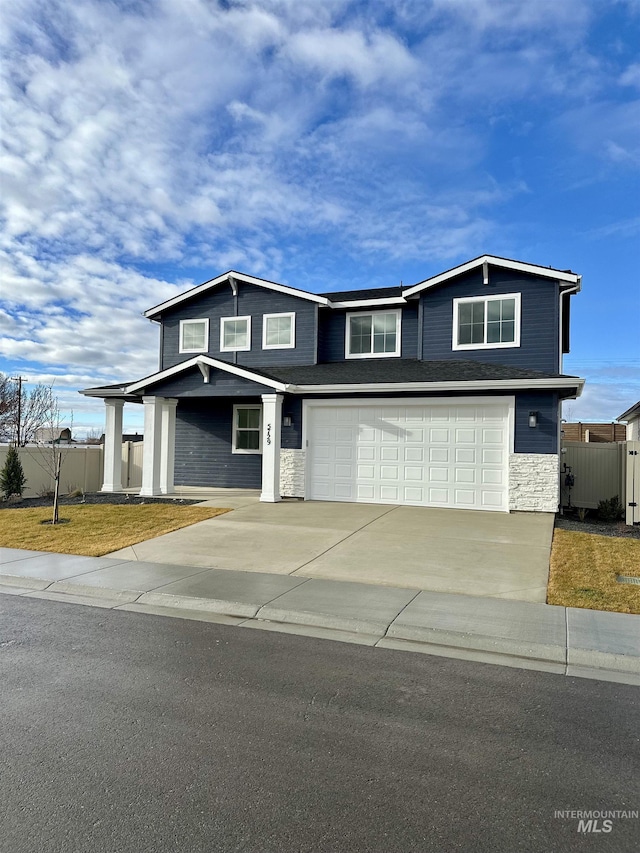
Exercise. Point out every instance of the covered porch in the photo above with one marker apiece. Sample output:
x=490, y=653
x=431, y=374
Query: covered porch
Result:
x=159, y=449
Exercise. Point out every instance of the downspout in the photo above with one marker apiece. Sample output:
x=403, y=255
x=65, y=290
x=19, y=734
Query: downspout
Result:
x=565, y=292
x=568, y=290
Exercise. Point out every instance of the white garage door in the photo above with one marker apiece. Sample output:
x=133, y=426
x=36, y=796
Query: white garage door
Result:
x=451, y=454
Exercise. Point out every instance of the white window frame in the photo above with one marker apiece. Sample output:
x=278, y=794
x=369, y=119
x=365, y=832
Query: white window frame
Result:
x=224, y=320
x=347, y=345
x=234, y=429
x=265, y=320
x=184, y=323
x=486, y=299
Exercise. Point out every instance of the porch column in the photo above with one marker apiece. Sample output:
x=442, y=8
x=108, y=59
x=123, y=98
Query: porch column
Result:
x=271, y=427
x=112, y=477
x=152, y=446
x=168, y=446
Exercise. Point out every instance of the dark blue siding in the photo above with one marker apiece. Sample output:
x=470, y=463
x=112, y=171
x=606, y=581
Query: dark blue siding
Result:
x=203, y=448
x=332, y=326
x=221, y=384
x=539, y=338
x=254, y=301
x=291, y=437
x=544, y=437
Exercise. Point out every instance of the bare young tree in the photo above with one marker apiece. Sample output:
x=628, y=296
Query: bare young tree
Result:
x=51, y=451
x=22, y=412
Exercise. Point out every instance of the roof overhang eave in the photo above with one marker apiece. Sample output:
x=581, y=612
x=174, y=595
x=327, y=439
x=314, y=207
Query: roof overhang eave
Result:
x=572, y=385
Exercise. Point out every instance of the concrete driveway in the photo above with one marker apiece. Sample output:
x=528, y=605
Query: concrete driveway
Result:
x=457, y=551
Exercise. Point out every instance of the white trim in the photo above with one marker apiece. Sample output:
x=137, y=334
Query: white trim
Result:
x=224, y=320
x=507, y=400
x=266, y=318
x=497, y=297
x=211, y=362
x=184, y=323
x=347, y=334
x=271, y=442
x=234, y=427
x=471, y=385
x=370, y=303
x=505, y=263
x=249, y=279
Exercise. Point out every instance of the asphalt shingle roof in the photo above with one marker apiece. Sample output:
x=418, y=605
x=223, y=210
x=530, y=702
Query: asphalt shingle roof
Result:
x=370, y=293
x=398, y=370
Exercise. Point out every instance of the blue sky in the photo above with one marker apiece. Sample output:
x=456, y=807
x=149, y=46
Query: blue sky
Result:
x=149, y=146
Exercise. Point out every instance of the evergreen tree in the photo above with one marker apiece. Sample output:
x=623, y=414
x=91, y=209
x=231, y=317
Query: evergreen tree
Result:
x=12, y=477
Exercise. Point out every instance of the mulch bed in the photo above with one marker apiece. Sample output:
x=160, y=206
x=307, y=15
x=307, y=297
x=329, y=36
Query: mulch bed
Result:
x=91, y=498
x=600, y=528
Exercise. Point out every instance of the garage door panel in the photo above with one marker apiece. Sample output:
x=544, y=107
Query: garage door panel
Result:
x=421, y=454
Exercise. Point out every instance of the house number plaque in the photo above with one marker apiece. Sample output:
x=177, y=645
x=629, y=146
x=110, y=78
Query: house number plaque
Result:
x=268, y=433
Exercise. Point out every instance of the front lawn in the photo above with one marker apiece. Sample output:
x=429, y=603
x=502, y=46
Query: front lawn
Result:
x=95, y=530
x=583, y=572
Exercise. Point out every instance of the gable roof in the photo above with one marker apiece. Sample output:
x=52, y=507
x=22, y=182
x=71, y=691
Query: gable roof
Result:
x=229, y=277
x=492, y=260
x=369, y=297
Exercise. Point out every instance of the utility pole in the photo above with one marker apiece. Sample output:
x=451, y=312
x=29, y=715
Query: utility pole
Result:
x=18, y=379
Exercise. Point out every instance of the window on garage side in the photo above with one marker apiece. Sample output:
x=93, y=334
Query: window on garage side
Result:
x=278, y=331
x=373, y=335
x=247, y=429
x=486, y=322
x=194, y=335
x=235, y=334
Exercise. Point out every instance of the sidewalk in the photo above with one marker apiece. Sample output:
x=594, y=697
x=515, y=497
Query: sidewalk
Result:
x=566, y=641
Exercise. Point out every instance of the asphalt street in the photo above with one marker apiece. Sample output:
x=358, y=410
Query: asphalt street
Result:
x=122, y=731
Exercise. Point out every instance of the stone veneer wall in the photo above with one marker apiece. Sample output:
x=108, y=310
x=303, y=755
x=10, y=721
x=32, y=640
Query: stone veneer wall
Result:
x=534, y=482
x=292, y=473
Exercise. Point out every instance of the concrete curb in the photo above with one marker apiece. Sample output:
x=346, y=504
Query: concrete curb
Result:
x=567, y=641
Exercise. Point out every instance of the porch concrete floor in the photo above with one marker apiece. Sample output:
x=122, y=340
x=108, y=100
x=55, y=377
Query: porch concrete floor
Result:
x=456, y=551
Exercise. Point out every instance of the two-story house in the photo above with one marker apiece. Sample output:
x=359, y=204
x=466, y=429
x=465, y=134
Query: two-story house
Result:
x=445, y=393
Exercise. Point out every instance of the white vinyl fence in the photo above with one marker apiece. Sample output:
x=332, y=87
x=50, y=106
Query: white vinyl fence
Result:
x=81, y=468
x=602, y=471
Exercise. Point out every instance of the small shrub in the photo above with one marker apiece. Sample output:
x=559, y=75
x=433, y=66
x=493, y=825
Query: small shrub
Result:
x=46, y=492
x=75, y=493
x=611, y=510
x=12, y=477
x=583, y=512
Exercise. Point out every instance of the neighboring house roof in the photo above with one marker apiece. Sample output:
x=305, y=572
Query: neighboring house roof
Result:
x=631, y=414
x=371, y=296
x=371, y=375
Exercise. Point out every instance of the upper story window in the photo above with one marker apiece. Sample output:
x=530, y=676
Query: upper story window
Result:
x=235, y=334
x=373, y=334
x=194, y=335
x=278, y=331
x=486, y=322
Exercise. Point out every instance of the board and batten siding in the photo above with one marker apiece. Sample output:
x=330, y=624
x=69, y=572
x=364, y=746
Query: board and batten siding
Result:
x=539, y=328
x=253, y=301
x=332, y=330
x=203, y=454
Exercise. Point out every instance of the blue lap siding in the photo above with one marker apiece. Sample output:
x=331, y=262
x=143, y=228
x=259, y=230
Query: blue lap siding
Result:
x=540, y=333
x=203, y=448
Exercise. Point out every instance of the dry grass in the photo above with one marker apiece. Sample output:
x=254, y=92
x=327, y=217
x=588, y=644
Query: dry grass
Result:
x=94, y=530
x=584, y=568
